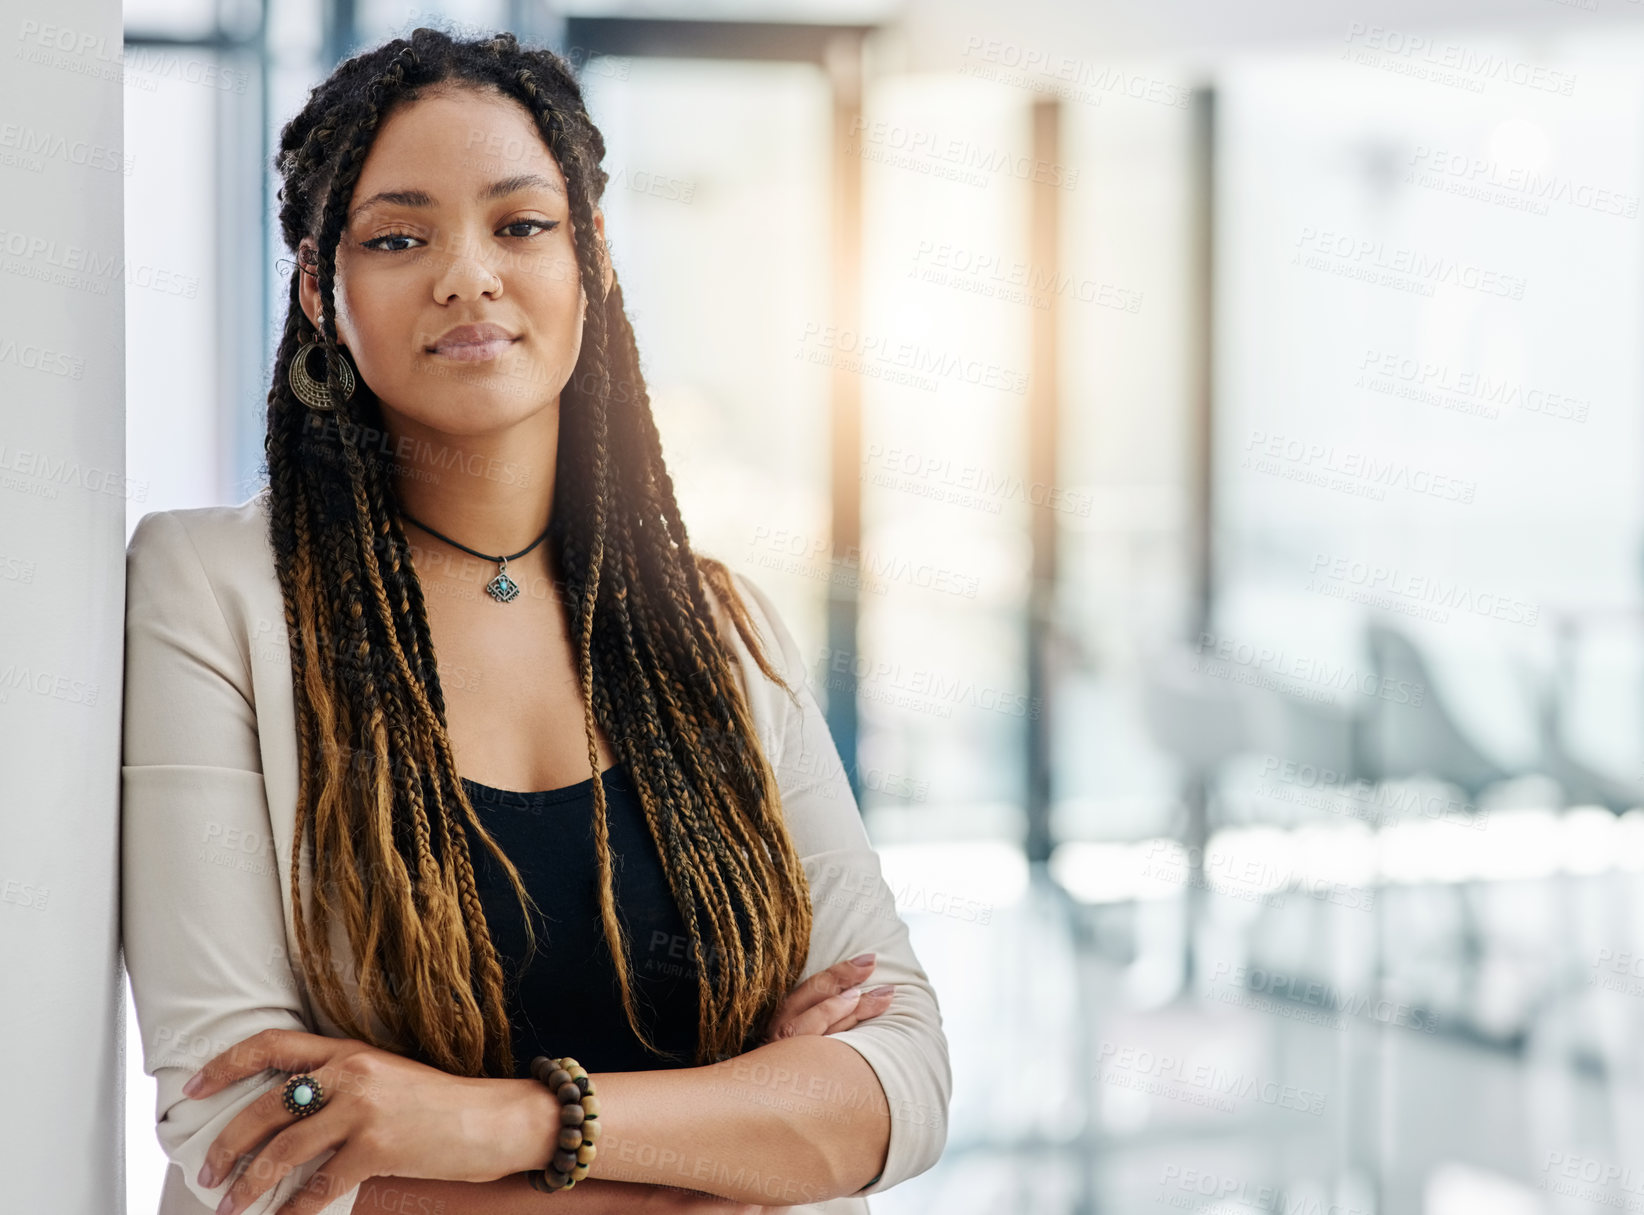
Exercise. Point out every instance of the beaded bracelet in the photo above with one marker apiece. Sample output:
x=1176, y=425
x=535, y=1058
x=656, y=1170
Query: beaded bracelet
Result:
x=578, y=1123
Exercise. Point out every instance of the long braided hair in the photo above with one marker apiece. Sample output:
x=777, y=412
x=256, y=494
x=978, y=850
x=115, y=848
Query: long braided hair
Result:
x=380, y=805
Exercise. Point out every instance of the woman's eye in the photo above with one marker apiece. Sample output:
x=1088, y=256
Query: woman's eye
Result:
x=376, y=242
x=545, y=225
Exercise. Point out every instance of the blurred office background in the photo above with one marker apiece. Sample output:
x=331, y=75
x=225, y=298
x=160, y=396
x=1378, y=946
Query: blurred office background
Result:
x=1200, y=447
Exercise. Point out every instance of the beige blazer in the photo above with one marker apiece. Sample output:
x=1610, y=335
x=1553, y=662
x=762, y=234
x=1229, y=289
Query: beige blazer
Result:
x=209, y=781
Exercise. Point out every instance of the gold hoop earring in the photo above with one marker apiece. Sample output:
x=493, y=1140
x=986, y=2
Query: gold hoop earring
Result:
x=314, y=393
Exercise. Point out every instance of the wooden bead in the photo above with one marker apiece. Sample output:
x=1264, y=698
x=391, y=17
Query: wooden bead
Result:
x=568, y=1093
x=555, y=1078
x=570, y=1137
x=590, y=1130
x=570, y=1115
x=565, y=1161
x=578, y=1173
x=590, y=1106
x=585, y=1153
x=585, y=1084
x=547, y=1181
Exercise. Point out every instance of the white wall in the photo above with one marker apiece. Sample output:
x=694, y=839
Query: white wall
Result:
x=63, y=498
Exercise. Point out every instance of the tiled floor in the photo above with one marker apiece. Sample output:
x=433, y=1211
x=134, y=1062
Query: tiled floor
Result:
x=1068, y=1101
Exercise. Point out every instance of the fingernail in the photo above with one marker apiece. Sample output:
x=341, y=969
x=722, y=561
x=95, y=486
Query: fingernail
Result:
x=227, y=1204
x=863, y=959
x=882, y=990
x=208, y=1175
x=851, y=993
x=193, y=1085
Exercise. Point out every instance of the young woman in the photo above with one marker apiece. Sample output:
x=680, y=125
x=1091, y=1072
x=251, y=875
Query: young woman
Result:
x=445, y=751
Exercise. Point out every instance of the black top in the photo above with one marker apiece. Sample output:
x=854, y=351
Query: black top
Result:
x=567, y=1002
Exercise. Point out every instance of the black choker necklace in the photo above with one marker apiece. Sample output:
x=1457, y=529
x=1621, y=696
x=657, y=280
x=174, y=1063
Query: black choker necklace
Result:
x=502, y=588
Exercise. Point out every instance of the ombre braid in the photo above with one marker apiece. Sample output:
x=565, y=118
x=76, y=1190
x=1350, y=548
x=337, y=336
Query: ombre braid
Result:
x=381, y=808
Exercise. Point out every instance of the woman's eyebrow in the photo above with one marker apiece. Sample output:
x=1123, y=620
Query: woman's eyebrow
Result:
x=422, y=198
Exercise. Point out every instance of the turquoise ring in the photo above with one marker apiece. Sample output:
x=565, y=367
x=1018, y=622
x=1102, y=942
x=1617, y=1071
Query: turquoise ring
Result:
x=303, y=1095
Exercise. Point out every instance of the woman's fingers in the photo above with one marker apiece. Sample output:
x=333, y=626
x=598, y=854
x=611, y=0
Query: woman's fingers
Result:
x=817, y=1018
x=828, y=999
x=286, y=1141
x=267, y=1115
x=346, y=1169
x=871, y=1004
x=846, y=1009
x=289, y=1050
x=825, y=984
x=293, y=1146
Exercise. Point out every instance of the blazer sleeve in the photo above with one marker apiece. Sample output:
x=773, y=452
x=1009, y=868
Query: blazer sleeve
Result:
x=203, y=921
x=854, y=913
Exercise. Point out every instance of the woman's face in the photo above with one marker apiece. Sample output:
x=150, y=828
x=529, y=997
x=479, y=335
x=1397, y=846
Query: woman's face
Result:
x=459, y=218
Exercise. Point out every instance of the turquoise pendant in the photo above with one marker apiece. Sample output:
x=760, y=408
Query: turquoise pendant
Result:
x=502, y=588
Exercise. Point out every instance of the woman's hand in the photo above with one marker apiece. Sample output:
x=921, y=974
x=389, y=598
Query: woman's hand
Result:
x=384, y=1114
x=830, y=1000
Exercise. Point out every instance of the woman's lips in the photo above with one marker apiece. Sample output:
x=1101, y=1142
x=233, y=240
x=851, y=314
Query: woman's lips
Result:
x=474, y=352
